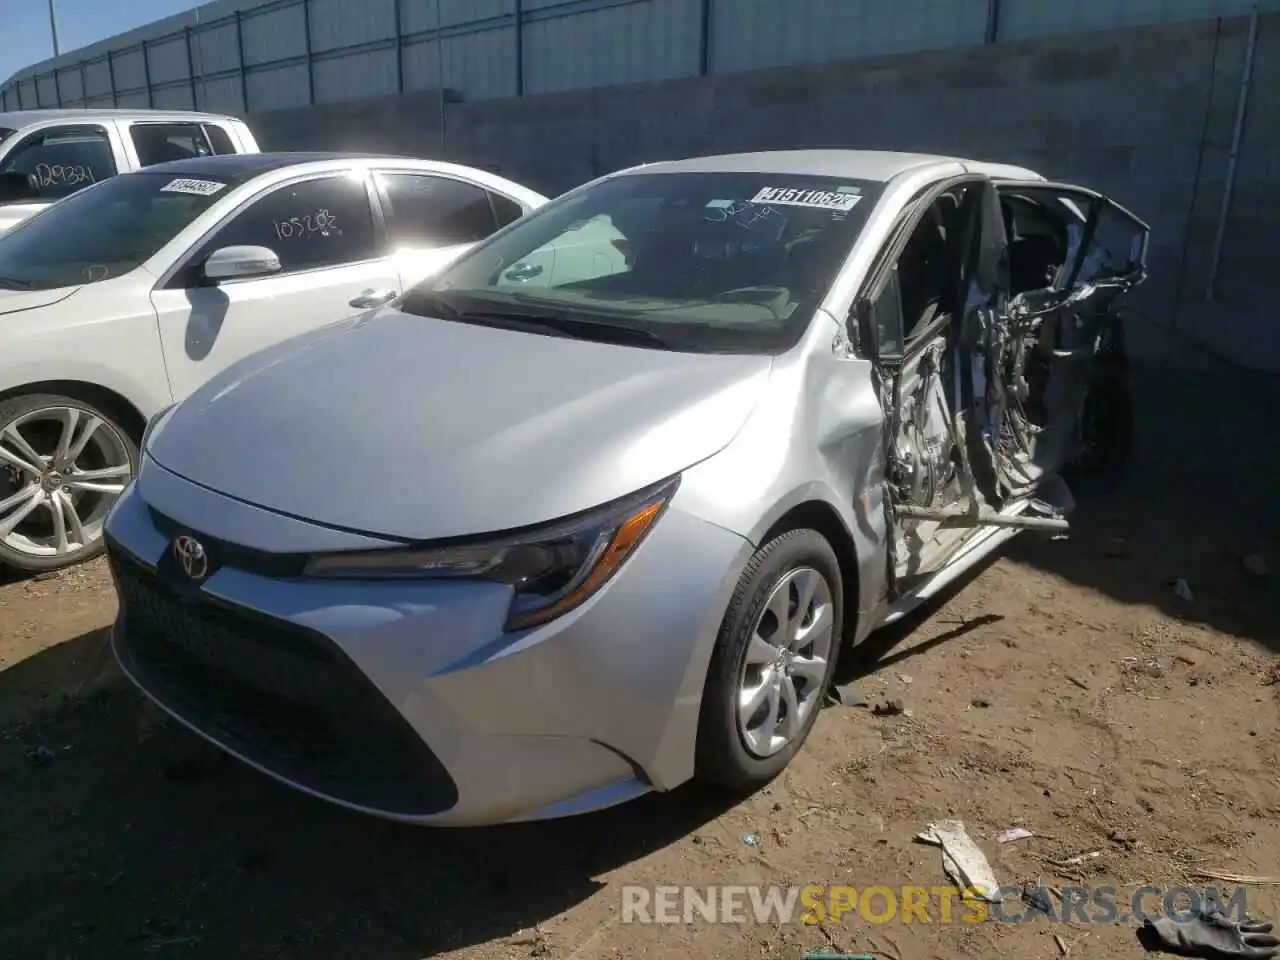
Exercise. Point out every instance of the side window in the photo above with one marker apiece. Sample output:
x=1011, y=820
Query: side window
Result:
x=505, y=209
x=435, y=211
x=63, y=160
x=316, y=223
x=162, y=142
x=886, y=317
x=219, y=139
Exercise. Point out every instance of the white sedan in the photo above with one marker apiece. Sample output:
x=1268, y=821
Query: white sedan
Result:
x=127, y=296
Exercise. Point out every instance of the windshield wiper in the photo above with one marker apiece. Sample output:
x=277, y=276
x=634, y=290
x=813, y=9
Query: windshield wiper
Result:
x=15, y=284
x=536, y=320
x=559, y=324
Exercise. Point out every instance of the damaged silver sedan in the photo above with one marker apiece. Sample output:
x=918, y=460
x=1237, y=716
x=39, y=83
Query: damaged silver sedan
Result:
x=593, y=510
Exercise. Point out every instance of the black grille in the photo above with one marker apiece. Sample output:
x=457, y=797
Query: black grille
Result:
x=281, y=695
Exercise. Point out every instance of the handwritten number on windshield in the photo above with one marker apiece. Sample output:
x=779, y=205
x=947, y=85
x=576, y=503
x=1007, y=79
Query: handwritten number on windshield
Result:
x=322, y=222
x=745, y=215
x=58, y=175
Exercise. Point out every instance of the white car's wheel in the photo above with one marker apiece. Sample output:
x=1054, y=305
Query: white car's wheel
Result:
x=63, y=465
x=773, y=662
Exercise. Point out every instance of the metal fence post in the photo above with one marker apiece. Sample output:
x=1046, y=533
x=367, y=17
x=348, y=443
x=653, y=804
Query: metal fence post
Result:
x=191, y=70
x=111, y=76
x=993, y=21
x=311, y=73
x=704, y=39
x=399, y=49
x=84, y=86
x=244, y=76
x=146, y=73
x=519, y=48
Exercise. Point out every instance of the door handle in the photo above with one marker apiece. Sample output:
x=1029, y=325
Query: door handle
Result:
x=369, y=299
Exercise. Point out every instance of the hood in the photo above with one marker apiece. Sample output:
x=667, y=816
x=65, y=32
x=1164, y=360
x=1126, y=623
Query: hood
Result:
x=13, y=301
x=417, y=428
x=14, y=213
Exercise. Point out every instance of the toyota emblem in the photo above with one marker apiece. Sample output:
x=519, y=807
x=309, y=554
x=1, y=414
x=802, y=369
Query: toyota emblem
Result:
x=190, y=553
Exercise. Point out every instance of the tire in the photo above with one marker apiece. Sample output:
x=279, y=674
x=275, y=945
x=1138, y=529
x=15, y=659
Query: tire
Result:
x=1107, y=419
x=729, y=755
x=94, y=464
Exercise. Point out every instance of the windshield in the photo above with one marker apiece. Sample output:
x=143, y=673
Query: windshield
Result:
x=102, y=232
x=732, y=262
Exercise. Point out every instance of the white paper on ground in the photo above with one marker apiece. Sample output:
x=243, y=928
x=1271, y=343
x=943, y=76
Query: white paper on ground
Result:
x=962, y=861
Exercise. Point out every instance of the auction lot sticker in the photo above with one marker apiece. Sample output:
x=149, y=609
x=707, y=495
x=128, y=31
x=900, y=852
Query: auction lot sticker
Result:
x=817, y=199
x=196, y=188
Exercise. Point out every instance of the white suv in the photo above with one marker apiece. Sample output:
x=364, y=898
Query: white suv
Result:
x=46, y=155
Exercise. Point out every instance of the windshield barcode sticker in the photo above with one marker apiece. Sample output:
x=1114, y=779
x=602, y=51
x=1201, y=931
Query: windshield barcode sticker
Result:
x=818, y=199
x=197, y=188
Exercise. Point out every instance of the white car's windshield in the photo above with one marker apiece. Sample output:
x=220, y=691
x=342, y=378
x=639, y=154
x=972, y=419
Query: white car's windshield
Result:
x=691, y=261
x=105, y=231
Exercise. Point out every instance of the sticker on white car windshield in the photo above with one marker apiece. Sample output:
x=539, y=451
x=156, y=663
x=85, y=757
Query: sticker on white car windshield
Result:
x=817, y=199
x=196, y=188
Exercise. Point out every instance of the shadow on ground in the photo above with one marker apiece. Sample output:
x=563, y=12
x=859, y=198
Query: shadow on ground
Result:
x=1200, y=497
x=123, y=835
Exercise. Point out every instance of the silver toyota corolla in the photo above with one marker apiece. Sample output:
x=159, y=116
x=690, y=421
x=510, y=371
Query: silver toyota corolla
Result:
x=593, y=511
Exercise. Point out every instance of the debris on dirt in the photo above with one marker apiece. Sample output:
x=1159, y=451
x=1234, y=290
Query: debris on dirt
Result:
x=40, y=755
x=1232, y=877
x=1272, y=676
x=1015, y=833
x=846, y=695
x=904, y=679
x=1186, y=655
x=47, y=575
x=1211, y=933
x=962, y=860
x=1256, y=566
x=751, y=840
x=1062, y=945
x=1077, y=682
x=1037, y=897
x=1117, y=547
x=1076, y=860
x=981, y=702
x=1182, y=590
x=1122, y=839
x=889, y=708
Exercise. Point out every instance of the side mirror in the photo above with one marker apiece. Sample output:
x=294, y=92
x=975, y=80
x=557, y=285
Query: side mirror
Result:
x=16, y=187
x=862, y=329
x=230, y=263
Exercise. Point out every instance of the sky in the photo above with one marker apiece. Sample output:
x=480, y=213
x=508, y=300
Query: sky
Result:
x=25, y=38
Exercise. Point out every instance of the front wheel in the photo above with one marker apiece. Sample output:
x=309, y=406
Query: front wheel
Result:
x=63, y=465
x=773, y=662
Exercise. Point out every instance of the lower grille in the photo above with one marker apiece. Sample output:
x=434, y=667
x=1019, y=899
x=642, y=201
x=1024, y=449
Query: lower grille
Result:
x=280, y=695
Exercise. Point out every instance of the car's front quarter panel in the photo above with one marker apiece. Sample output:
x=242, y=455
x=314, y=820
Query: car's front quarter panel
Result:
x=814, y=436
x=604, y=698
x=104, y=334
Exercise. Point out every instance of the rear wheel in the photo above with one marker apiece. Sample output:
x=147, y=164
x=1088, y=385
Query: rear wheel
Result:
x=63, y=465
x=773, y=662
x=1106, y=434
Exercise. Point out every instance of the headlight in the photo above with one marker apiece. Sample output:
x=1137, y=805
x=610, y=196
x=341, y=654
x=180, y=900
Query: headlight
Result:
x=553, y=569
x=151, y=425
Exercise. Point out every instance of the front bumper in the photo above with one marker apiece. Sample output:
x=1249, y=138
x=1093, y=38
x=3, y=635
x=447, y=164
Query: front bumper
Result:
x=406, y=699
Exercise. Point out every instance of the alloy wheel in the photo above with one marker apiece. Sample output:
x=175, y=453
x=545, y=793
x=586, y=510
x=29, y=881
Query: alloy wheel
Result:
x=62, y=468
x=785, y=662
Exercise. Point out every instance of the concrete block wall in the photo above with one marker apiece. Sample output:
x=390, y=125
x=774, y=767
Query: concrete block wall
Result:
x=1145, y=114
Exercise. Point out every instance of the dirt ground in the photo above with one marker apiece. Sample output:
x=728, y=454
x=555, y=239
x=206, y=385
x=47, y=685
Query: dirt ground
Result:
x=1064, y=689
